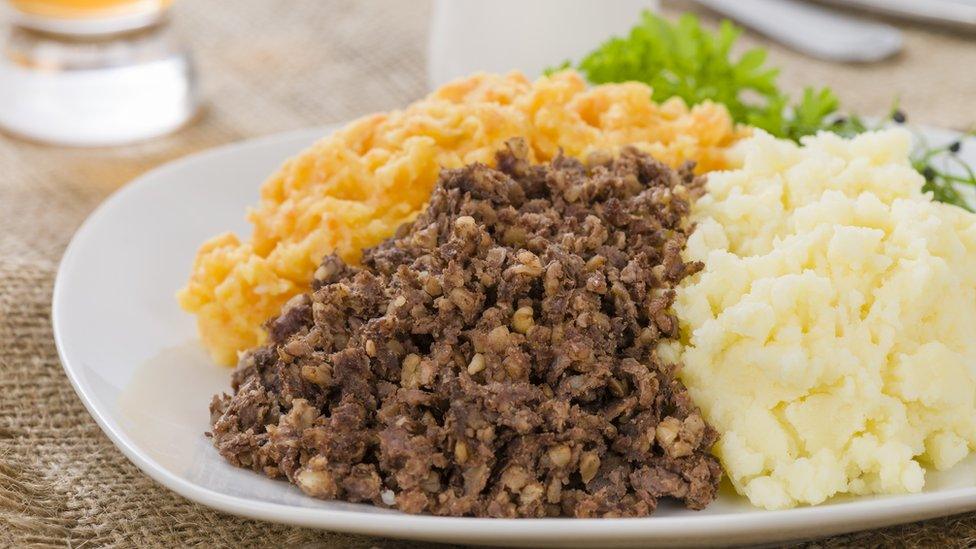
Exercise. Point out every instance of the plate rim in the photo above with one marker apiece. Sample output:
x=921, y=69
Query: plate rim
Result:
x=776, y=525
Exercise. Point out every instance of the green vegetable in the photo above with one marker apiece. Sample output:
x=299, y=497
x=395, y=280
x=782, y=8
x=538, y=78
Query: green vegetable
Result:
x=684, y=59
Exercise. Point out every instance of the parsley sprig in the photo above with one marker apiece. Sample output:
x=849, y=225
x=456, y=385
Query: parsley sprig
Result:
x=684, y=59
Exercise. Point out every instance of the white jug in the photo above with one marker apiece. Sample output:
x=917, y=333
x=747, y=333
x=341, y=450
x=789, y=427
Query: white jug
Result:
x=526, y=35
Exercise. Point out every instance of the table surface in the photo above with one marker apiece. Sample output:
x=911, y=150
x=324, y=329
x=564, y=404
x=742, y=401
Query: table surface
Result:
x=266, y=69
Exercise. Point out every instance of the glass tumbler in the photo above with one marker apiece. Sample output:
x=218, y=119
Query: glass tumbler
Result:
x=93, y=72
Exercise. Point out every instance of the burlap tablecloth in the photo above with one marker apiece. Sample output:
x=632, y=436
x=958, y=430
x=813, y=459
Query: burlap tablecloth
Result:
x=267, y=67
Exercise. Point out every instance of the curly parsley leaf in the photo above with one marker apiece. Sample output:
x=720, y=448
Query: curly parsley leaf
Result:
x=686, y=60
x=811, y=113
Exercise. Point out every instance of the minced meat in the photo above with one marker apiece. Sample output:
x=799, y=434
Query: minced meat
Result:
x=494, y=358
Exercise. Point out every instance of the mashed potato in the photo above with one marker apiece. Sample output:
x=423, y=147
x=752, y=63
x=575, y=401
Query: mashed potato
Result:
x=354, y=188
x=831, y=338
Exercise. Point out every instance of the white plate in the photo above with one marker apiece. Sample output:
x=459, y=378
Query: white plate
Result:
x=134, y=360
